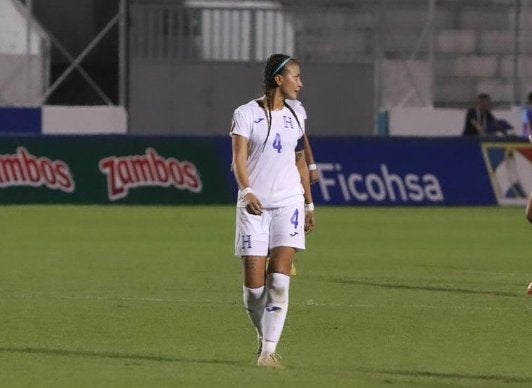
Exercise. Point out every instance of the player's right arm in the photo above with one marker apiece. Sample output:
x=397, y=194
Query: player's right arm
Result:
x=240, y=169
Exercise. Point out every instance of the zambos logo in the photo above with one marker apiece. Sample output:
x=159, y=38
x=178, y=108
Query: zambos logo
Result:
x=149, y=170
x=383, y=186
x=25, y=169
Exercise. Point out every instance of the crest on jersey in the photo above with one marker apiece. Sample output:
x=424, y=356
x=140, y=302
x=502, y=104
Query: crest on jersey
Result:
x=510, y=169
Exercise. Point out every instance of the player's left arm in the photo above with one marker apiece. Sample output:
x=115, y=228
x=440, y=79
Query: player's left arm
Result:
x=310, y=219
x=314, y=175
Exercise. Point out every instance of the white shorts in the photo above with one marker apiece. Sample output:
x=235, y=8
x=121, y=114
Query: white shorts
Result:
x=279, y=227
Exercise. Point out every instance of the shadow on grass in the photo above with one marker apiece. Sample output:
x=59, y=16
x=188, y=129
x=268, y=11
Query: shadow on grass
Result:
x=113, y=355
x=449, y=376
x=426, y=288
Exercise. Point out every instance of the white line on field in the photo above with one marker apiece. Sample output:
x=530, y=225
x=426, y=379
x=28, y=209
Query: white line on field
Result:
x=309, y=303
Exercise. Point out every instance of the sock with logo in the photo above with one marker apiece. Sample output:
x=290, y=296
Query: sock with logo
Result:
x=277, y=286
x=254, y=302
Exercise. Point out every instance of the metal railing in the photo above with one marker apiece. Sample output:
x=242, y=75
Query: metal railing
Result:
x=425, y=52
x=199, y=33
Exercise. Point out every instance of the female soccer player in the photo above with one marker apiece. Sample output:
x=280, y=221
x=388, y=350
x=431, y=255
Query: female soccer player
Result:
x=274, y=206
x=528, y=214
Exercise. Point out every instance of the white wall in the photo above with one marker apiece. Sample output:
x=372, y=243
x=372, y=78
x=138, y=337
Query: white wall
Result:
x=24, y=58
x=83, y=120
x=13, y=30
x=441, y=122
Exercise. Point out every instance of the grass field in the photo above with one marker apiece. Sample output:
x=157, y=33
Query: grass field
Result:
x=151, y=297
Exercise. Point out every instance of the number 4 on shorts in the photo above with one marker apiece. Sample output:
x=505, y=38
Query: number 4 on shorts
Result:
x=294, y=219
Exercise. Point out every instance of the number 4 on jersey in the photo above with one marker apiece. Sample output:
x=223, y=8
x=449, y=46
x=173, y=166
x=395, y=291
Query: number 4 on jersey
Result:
x=277, y=143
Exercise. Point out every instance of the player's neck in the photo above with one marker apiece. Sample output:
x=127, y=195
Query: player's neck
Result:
x=278, y=102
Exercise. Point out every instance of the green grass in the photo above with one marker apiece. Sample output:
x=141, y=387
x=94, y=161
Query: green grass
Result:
x=151, y=297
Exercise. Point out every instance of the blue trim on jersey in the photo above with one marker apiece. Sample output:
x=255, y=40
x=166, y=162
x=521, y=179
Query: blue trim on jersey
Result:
x=300, y=146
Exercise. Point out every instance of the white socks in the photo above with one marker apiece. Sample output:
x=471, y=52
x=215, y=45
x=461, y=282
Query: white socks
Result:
x=277, y=286
x=255, y=302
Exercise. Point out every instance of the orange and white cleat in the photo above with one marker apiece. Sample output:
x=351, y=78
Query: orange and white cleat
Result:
x=530, y=289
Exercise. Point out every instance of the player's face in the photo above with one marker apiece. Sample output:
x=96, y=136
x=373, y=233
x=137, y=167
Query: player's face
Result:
x=290, y=82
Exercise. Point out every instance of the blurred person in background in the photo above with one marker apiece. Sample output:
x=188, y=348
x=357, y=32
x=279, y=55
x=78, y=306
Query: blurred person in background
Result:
x=527, y=117
x=480, y=121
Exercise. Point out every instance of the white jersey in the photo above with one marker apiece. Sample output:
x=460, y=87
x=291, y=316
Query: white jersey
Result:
x=272, y=169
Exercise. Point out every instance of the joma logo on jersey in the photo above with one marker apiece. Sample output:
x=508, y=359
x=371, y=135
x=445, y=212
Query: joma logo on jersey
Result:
x=380, y=186
x=25, y=169
x=148, y=170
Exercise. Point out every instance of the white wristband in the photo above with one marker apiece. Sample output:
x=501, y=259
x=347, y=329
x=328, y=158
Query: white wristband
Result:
x=312, y=167
x=246, y=191
x=309, y=207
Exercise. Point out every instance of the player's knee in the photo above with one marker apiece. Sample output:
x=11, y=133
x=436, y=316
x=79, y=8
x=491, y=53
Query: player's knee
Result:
x=278, y=285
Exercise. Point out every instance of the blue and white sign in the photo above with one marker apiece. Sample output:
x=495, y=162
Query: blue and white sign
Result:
x=401, y=171
x=510, y=169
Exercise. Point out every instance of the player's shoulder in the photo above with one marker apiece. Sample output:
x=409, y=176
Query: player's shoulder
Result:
x=248, y=109
x=298, y=107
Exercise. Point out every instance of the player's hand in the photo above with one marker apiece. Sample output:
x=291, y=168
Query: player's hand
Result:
x=530, y=137
x=253, y=204
x=310, y=221
x=314, y=176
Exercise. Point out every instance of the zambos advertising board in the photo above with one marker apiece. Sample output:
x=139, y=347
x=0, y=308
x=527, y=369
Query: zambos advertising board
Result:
x=112, y=169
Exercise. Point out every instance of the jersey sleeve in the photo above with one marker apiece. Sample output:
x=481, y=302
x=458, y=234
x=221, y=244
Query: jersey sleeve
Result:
x=302, y=115
x=302, y=112
x=241, y=124
x=300, y=146
x=299, y=109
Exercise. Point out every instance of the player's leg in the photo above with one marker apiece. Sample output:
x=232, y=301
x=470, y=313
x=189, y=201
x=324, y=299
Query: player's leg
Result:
x=277, y=291
x=251, y=243
x=528, y=211
x=254, y=293
x=286, y=237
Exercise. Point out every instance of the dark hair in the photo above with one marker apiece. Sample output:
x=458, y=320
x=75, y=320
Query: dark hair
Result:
x=484, y=96
x=276, y=64
x=530, y=100
x=272, y=68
